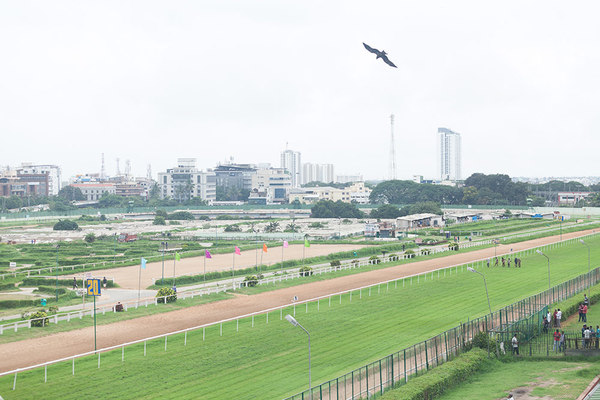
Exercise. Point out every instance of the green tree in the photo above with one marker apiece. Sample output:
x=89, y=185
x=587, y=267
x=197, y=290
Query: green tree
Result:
x=470, y=195
x=159, y=220
x=385, y=211
x=272, y=227
x=65, y=225
x=338, y=209
x=90, y=238
x=71, y=193
x=161, y=213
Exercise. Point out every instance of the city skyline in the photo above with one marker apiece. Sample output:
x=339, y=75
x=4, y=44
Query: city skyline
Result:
x=519, y=82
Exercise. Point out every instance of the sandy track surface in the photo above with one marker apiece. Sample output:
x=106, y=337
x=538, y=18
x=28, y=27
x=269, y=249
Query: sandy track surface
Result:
x=34, y=351
x=127, y=277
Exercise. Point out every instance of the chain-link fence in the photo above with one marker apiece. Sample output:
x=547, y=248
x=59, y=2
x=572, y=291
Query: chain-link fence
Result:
x=524, y=317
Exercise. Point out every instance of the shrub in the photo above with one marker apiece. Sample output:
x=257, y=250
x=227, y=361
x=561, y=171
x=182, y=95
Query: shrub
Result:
x=65, y=225
x=224, y=217
x=50, y=290
x=233, y=228
x=43, y=321
x=316, y=225
x=335, y=263
x=354, y=262
x=18, y=303
x=90, y=238
x=409, y=253
x=251, y=280
x=425, y=252
x=306, y=271
x=181, y=215
x=161, y=213
x=52, y=309
x=374, y=260
x=166, y=293
x=159, y=220
x=203, y=217
x=453, y=246
x=393, y=256
x=174, y=223
x=483, y=340
x=433, y=383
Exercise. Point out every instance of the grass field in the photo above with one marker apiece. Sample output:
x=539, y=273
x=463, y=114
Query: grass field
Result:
x=270, y=360
x=555, y=379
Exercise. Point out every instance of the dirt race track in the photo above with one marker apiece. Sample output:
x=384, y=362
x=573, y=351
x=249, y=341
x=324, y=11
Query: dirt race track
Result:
x=34, y=351
x=127, y=277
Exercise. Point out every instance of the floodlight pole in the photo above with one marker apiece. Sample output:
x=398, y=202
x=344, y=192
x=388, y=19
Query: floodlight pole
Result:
x=293, y=321
x=589, y=266
x=57, y=247
x=547, y=258
x=485, y=284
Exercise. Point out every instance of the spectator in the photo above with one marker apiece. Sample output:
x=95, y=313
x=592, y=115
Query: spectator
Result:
x=174, y=288
x=554, y=318
x=558, y=318
x=119, y=307
x=586, y=301
x=583, y=335
x=580, y=310
x=586, y=338
x=488, y=262
x=74, y=283
x=546, y=324
x=104, y=282
x=561, y=342
x=556, y=344
x=503, y=262
x=597, y=336
x=508, y=262
x=515, y=344
x=584, y=311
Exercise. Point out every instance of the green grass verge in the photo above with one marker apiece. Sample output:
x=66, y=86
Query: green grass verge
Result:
x=269, y=360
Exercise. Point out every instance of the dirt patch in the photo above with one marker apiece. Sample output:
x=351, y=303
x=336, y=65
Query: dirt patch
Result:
x=34, y=351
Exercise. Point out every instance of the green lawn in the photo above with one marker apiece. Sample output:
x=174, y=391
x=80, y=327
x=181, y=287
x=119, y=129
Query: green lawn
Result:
x=269, y=360
x=555, y=379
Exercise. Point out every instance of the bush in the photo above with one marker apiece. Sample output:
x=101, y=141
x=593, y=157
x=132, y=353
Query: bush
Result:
x=335, y=263
x=65, y=225
x=161, y=213
x=52, y=309
x=159, y=220
x=374, y=260
x=181, y=215
x=433, y=383
x=203, y=218
x=393, y=256
x=409, y=253
x=251, y=280
x=453, y=246
x=18, y=303
x=225, y=217
x=50, y=290
x=316, y=225
x=90, y=238
x=306, y=271
x=166, y=293
x=233, y=228
x=425, y=252
x=174, y=223
x=483, y=341
x=43, y=321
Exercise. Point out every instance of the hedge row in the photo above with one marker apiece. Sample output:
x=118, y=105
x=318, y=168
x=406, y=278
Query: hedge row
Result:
x=570, y=306
x=30, y=282
x=18, y=303
x=7, y=286
x=50, y=290
x=435, y=382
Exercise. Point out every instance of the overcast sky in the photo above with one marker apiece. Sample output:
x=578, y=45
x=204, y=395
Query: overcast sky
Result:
x=153, y=81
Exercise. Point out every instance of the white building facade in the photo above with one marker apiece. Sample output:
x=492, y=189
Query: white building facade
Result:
x=53, y=172
x=275, y=183
x=449, y=155
x=317, y=173
x=291, y=161
x=185, y=182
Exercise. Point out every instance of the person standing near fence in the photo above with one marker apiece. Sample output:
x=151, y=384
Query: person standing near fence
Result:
x=561, y=342
x=515, y=344
x=556, y=344
x=558, y=318
x=584, y=311
x=74, y=283
x=579, y=309
x=586, y=301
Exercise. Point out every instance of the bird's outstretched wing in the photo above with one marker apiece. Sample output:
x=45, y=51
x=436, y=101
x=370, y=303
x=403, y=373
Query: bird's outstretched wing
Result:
x=387, y=61
x=372, y=50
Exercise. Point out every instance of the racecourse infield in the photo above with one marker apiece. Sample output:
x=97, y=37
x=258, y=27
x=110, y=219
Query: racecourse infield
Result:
x=34, y=351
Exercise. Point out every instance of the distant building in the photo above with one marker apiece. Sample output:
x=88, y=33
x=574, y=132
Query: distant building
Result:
x=356, y=192
x=416, y=221
x=348, y=178
x=185, y=182
x=291, y=162
x=94, y=191
x=53, y=171
x=449, y=155
x=235, y=175
x=272, y=184
x=317, y=173
x=571, y=198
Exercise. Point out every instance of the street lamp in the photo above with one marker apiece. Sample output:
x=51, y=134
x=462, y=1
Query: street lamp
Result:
x=293, y=321
x=485, y=284
x=588, y=247
x=542, y=254
x=164, y=246
x=57, y=247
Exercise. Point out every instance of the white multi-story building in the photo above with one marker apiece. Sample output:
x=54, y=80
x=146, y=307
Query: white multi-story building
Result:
x=94, y=191
x=53, y=172
x=291, y=161
x=449, y=157
x=185, y=182
x=317, y=173
x=274, y=182
x=348, y=178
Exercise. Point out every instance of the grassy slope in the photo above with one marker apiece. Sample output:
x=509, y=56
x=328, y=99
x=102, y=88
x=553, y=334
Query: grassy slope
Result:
x=269, y=361
x=563, y=380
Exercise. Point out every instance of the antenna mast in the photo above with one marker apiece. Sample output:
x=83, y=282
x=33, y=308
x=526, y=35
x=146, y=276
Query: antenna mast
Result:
x=392, y=150
x=102, y=170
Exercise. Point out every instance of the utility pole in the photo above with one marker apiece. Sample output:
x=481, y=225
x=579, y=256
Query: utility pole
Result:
x=392, y=150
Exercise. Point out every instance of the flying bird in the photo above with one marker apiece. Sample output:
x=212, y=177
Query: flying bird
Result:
x=380, y=54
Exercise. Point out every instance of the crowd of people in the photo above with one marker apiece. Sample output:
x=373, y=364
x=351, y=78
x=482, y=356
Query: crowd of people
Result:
x=506, y=261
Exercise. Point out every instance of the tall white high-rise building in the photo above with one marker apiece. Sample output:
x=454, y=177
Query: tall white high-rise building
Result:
x=449, y=157
x=291, y=162
x=317, y=173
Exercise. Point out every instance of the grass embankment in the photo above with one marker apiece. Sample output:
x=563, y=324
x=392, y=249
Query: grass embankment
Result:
x=269, y=360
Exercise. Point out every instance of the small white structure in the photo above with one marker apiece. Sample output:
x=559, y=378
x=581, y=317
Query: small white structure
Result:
x=419, y=221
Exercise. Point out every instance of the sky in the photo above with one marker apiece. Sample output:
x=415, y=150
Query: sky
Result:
x=153, y=81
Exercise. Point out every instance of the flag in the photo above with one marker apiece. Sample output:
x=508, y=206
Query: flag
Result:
x=177, y=256
x=238, y=251
x=306, y=243
x=285, y=244
x=207, y=254
x=265, y=247
x=143, y=263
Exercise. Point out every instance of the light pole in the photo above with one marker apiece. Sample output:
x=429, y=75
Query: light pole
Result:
x=293, y=321
x=57, y=247
x=588, y=247
x=164, y=246
x=542, y=254
x=485, y=284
